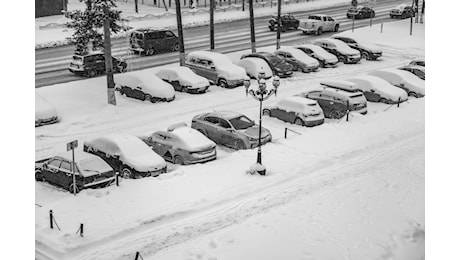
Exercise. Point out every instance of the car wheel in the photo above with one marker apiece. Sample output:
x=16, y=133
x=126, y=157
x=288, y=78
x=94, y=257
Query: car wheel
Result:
x=239, y=145
x=365, y=56
x=149, y=52
x=39, y=176
x=336, y=28
x=178, y=160
x=92, y=73
x=384, y=100
x=77, y=190
x=147, y=97
x=222, y=83
x=299, y=121
x=126, y=173
x=341, y=59
x=266, y=112
x=319, y=31
x=175, y=47
x=413, y=94
x=334, y=114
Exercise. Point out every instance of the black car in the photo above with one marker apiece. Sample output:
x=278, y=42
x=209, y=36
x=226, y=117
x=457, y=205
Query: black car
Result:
x=368, y=51
x=402, y=11
x=93, y=64
x=360, y=12
x=150, y=41
x=287, y=22
x=90, y=171
x=279, y=67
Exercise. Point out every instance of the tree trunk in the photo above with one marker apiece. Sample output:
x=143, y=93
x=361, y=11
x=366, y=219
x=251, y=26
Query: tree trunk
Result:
x=211, y=23
x=251, y=24
x=180, y=34
x=108, y=59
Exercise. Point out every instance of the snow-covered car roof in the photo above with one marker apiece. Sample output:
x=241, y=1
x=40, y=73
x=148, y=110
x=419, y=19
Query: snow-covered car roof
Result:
x=150, y=84
x=218, y=59
x=339, y=84
x=88, y=164
x=401, y=6
x=339, y=44
x=298, y=104
x=225, y=114
x=184, y=75
x=319, y=51
x=299, y=55
x=397, y=76
x=368, y=82
x=43, y=109
x=190, y=139
x=255, y=65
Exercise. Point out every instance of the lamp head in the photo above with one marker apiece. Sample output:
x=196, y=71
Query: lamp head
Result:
x=246, y=83
x=262, y=74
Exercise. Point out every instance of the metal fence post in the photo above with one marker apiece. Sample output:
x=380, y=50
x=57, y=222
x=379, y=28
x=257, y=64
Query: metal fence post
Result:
x=51, y=219
x=285, y=132
x=348, y=108
x=81, y=229
x=399, y=101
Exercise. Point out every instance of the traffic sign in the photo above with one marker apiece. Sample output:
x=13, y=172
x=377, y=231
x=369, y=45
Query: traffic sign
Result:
x=72, y=145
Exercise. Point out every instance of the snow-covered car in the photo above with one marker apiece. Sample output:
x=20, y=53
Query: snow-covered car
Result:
x=216, y=67
x=92, y=64
x=296, y=110
x=181, y=144
x=255, y=66
x=324, y=58
x=126, y=154
x=318, y=23
x=360, y=12
x=341, y=50
x=402, y=11
x=368, y=51
x=299, y=60
x=184, y=79
x=418, y=71
x=376, y=89
x=45, y=113
x=142, y=87
x=279, y=67
x=418, y=62
x=230, y=129
x=339, y=84
x=413, y=85
x=90, y=171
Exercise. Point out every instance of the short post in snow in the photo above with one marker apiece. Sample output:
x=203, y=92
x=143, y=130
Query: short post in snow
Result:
x=51, y=219
x=117, y=176
x=285, y=132
x=381, y=27
x=138, y=256
x=348, y=108
x=399, y=101
x=81, y=229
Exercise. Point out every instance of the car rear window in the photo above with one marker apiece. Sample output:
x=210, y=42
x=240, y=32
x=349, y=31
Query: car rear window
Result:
x=314, y=17
x=94, y=165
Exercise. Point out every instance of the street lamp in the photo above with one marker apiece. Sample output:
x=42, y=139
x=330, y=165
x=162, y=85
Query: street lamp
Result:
x=261, y=94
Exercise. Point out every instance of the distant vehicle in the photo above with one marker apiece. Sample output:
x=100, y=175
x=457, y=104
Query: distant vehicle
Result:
x=183, y=79
x=279, y=67
x=126, y=154
x=368, y=51
x=216, y=67
x=45, y=113
x=92, y=64
x=360, y=12
x=299, y=60
x=402, y=11
x=413, y=85
x=318, y=23
x=230, y=129
x=341, y=50
x=324, y=58
x=296, y=110
x=418, y=63
x=287, y=22
x=376, y=89
x=181, y=144
x=151, y=41
x=255, y=66
x=150, y=88
x=418, y=71
x=90, y=171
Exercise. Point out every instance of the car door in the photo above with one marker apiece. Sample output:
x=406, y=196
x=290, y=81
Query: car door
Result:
x=210, y=124
x=322, y=102
x=277, y=113
x=51, y=169
x=64, y=174
x=227, y=133
x=371, y=95
x=170, y=39
x=213, y=72
x=328, y=24
x=156, y=142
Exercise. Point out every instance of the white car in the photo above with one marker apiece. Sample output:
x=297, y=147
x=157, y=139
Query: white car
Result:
x=45, y=113
x=413, y=85
x=324, y=58
x=143, y=87
x=376, y=89
x=127, y=154
x=184, y=79
x=340, y=49
x=255, y=66
x=299, y=60
x=296, y=110
x=368, y=50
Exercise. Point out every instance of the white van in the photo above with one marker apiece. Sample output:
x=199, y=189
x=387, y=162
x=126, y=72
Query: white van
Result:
x=216, y=67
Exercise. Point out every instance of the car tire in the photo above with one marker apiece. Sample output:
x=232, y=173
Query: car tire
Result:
x=239, y=145
x=77, y=190
x=39, y=176
x=341, y=59
x=126, y=173
x=147, y=97
x=92, y=73
x=336, y=28
x=319, y=31
x=413, y=94
x=383, y=100
x=299, y=121
x=223, y=83
x=178, y=160
x=266, y=112
x=175, y=47
x=335, y=115
x=365, y=55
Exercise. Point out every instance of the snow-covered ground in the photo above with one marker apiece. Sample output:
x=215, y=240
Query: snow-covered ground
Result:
x=342, y=190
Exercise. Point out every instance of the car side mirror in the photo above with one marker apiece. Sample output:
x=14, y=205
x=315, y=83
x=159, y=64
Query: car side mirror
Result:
x=149, y=138
x=372, y=90
x=213, y=67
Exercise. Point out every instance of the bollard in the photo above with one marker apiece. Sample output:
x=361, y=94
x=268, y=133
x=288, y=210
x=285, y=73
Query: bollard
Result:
x=285, y=132
x=51, y=219
x=81, y=229
x=399, y=101
x=116, y=179
x=348, y=108
x=137, y=256
x=381, y=27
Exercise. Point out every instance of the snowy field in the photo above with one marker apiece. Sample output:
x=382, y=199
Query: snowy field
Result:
x=342, y=190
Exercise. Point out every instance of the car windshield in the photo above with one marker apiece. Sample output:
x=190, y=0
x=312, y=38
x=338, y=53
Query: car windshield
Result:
x=93, y=165
x=241, y=122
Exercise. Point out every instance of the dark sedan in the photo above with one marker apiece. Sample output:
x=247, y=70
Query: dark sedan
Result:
x=279, y=67
x=360, y=12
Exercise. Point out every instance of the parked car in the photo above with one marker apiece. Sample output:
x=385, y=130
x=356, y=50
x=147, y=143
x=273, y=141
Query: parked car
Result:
x=368, y=51
x=255, y=66
x=90, y=171
x=231, y=129
x=324, y=58
x=184, y=79
x=126, y=154
x=376, y=89
x=336, y=102
x=413, y=85
x=299, y=60
x=150, y=41
x=339, y=84
x=92, y=64
x=216, y=67
x=279, y=67
x=296, y=110
x=341, y=50
x=181, y=144
x=318, y=23
x=287, y=22
x=45, y=113
x=150, y=88
x=360, y=12
x=402, y=11
x=418, y=63
x=418, y=71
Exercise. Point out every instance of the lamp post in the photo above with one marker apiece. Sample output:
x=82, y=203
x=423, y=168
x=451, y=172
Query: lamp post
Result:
x=261, y=94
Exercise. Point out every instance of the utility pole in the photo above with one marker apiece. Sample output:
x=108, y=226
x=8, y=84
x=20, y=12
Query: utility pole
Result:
x=278, y=21
x=108, y=58
x=411, y=17
x=251, y=24
x=180, y=34
x=135, y=6
x=211, y=23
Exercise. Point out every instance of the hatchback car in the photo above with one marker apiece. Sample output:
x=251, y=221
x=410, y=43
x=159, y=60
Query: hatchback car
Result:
x=90, y=171
x=402, y=11
x=279, y=67
x=230, y=129
x=181, y=144
x=255, y=67
x=296, y=110
x=299, y=60
x=413, y=85
x=126, y=154
x=418, y=71
x=360, y=12
x=150, y=88
x=324, y=58
x=184, y=79
x=93, y=64
x=150, y=41
x=45, y=113
x=376, y=89
x=368, y=51
x=341, y=50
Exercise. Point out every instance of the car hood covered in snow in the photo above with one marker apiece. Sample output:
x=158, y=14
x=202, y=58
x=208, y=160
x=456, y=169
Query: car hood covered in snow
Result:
x=43, y=109
x=151, y=84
